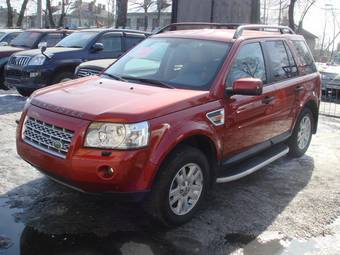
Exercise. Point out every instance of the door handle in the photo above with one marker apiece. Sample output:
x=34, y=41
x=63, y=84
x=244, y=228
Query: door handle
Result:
x=267, y=100
x=299, y=88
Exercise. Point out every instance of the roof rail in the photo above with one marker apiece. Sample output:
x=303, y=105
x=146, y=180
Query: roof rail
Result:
x=173, y=26
x=281, y=29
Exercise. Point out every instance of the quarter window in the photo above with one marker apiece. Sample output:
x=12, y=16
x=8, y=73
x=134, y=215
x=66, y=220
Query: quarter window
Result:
x=280, y=66
x=248, y=63
x=305, y=57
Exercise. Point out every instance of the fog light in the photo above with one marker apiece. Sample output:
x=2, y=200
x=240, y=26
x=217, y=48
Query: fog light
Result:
x=34, y=74
x=106, y=172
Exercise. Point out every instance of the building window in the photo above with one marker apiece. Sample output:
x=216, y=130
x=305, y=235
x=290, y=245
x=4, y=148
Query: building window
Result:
x=128, y=23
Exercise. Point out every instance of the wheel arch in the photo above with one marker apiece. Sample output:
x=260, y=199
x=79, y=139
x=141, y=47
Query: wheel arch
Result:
x=313, y=106
x=204, y=143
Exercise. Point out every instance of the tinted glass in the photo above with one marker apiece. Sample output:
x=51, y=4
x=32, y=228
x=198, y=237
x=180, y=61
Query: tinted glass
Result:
x=77, y=39
x=132, y=41
x=280, y=66
x=111, y=42
x=182, y=63
x=52, y=39
x=26, y=39
x=10, y=37
x=292, y=63
x=1, y=35
x=248, y=63
x=305, y=57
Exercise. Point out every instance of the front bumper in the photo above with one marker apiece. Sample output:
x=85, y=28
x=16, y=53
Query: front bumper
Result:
x=16, y=76
x=80, y=169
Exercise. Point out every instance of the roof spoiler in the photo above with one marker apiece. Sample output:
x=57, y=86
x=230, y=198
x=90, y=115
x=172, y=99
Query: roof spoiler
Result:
x=238, y=26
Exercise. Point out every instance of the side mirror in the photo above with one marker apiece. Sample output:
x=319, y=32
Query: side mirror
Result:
x=97, y=47
x=42, y=44
x=4, y=44
x=247, y=87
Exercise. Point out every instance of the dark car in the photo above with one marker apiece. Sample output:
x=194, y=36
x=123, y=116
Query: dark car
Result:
x=93, y=67
x=30, y=39
x=7, y=35
x=34, y=69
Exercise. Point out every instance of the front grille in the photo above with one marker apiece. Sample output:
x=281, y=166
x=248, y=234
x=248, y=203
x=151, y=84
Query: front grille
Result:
x=83, y=72
x=49, y=138
x=19, y=60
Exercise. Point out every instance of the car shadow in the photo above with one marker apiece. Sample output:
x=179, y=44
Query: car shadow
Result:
x=62, y=221
x=11, y=103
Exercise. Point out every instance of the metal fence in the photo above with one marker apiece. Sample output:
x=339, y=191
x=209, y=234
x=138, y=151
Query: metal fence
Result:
x=330, y=101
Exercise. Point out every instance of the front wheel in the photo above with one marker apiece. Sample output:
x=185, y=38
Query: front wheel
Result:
x=180, y=188
x=302, y=134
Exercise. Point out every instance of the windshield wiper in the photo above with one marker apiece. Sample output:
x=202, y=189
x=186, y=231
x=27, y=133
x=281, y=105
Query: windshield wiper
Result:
x=114, y=77
x=144, y=80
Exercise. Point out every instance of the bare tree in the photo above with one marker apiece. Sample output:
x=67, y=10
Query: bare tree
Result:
x=291, y=13
x=64, y=12
x=145, y=5
x=22, y=13
x=306, y=8
x=50, y=13
x=161, y=5
x=9, y=14
x=121, y=13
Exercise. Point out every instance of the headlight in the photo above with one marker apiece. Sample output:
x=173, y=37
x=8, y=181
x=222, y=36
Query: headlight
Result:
x=117, y=136
x=37, y=60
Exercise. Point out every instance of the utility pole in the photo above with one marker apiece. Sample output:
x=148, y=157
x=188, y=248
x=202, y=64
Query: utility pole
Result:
x=39, y=16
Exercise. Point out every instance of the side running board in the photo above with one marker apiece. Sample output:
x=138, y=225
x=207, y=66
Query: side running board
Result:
x=252, y=165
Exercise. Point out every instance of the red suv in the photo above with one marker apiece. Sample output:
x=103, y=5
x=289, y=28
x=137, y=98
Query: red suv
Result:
x=180, y=111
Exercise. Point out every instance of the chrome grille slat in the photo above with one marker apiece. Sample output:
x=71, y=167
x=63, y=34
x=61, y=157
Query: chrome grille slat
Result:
x=19, y=60
x=46, y=137
x=83, y=72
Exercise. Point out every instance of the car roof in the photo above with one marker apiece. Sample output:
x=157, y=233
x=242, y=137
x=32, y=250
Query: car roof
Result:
x=223, y=35
x=99, y=30
x=10, y=30
x=47, y=30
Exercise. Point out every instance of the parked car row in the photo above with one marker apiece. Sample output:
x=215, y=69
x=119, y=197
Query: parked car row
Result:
x=42, y=57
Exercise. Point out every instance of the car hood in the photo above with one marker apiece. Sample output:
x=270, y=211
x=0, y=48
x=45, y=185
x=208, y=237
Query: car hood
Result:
x=98, y=64
x=96, y=98
x=50, y=51
x=6, y=51
x=330, y=69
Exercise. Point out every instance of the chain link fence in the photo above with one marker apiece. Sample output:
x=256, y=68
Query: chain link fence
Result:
x=330, y=101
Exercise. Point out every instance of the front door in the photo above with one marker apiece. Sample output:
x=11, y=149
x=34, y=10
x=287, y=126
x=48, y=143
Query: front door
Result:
x=248, y=119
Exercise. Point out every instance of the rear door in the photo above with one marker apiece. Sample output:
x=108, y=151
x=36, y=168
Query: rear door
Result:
x=248, y=118
x=282, y=71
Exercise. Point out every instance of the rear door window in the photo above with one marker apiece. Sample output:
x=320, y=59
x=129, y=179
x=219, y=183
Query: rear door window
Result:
x=305, y=57
x=249, y=62
x=280, y=64
x=133, y=41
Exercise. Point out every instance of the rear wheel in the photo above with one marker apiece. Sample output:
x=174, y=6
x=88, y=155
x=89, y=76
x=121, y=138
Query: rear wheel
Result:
x=25, y=91
x=302, y=134
x=181, y=187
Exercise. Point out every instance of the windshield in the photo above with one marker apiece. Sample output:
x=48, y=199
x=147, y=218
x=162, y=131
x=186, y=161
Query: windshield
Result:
x=77, y=40
x=181, y=63
x=26, y=39
x=2, y=34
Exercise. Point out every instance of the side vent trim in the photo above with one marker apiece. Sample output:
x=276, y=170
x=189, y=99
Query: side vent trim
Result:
x=216, y=117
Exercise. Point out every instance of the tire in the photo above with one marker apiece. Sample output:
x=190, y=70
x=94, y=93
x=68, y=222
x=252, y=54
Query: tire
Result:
x=168, y=209
x=61, y=77
x=302, y=134
x=25, y=91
